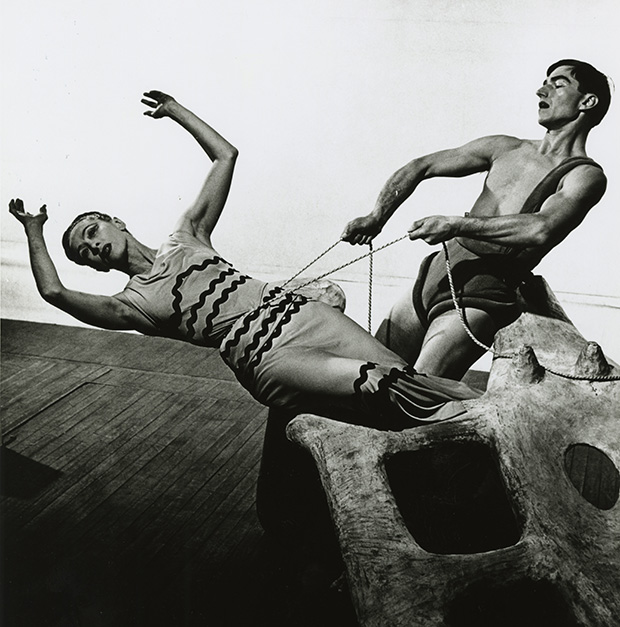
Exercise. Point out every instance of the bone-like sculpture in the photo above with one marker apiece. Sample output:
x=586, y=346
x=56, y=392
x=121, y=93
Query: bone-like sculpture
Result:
x=556, y=441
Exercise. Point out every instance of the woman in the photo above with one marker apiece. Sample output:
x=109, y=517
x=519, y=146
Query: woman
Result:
x=292, y=349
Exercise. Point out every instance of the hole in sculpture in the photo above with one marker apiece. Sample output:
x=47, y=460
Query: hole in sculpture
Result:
x=513, y=604
x=593, y=474
x=452, y=498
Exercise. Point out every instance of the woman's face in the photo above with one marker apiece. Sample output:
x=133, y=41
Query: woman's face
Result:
x=100, y=244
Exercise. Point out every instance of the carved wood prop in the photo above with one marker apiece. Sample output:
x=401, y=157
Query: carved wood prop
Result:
x=555, y=444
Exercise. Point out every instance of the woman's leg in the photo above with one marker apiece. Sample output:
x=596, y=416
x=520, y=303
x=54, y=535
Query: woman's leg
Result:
x=319, y=354
x=315, y=371
x=374, y=388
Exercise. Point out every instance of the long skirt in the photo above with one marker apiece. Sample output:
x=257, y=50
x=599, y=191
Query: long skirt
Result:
x=297, y=353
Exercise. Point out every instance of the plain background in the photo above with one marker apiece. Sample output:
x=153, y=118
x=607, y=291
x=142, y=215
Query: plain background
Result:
x=323, y=99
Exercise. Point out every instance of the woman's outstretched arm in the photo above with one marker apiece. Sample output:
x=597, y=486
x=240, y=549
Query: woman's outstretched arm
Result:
x=101, y=311
x=202, y=216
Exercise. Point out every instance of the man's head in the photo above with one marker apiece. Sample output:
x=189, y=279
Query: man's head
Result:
x=96, y=240
x=591, y=84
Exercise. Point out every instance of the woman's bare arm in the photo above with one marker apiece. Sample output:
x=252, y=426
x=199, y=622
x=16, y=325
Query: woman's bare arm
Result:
x=202, y=216
x=102, y=311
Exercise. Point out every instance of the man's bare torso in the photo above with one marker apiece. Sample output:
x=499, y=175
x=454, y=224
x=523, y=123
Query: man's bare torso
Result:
x=516, y=169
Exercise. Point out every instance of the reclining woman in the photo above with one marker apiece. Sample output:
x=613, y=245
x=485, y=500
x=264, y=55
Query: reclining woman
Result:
x=290, y=348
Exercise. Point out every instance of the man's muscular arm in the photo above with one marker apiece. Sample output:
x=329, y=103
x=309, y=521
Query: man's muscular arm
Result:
x=562, y=212
x=475, y=156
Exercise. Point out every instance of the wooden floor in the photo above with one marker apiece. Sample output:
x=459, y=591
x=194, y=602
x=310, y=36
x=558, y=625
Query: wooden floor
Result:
x=129, y=468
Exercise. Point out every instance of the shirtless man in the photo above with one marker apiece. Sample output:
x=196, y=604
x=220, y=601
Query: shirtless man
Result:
x=514, y=223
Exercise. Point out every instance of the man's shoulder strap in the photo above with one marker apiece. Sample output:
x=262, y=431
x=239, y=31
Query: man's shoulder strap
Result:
x=550, y=183
x=540, y=193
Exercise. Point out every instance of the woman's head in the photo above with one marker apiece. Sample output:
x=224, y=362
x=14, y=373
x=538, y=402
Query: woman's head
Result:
x=96, y=240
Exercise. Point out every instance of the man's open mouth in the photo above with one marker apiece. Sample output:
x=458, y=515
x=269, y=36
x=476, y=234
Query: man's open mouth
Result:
x=543, y=105
x=105, y=252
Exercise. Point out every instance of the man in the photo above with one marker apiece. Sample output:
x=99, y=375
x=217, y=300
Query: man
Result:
x=535, y=193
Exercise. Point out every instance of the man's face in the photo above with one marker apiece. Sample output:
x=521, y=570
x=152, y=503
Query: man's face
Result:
x=559, y=99
x=100, y=244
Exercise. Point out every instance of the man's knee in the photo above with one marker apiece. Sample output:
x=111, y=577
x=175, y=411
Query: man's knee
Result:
x=448, y=351
x=402, y=332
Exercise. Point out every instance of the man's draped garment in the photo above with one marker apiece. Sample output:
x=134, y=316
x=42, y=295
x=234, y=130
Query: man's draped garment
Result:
x=287, y=348
x=486, y=275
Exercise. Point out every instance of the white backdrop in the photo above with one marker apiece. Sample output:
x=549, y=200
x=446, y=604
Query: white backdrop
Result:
x=323, y=99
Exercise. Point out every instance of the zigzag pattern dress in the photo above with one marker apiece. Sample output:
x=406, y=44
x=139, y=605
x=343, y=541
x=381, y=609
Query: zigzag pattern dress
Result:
x=289, y=349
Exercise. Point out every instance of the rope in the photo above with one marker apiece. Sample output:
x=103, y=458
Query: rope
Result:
x=369, y=254
x=370, y=274
x=344, y=265
x=497, y=354
x=312, y=262
x=455, y=302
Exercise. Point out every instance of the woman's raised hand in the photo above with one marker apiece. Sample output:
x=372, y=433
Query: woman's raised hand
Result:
x=159, y=102
x=16, y=208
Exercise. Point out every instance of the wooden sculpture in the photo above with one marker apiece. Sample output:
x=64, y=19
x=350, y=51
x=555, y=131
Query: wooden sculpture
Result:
x=555, y=443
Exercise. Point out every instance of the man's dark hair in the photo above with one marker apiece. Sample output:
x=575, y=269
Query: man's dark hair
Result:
x=67, y=234
x=591, y=81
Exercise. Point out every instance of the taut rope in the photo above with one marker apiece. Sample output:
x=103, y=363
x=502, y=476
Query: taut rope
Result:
x=344, y=265
x=308, y=265
x=455, y=302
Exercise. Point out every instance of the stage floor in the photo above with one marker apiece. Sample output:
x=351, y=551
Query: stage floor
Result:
x=129, y=469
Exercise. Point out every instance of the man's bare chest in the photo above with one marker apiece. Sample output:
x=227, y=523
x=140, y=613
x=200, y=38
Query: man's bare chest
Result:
x=511, y=180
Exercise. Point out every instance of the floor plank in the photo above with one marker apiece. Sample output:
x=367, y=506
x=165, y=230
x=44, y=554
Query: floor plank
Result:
x=40, y=384
x=82, y=453
x=109, y=348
